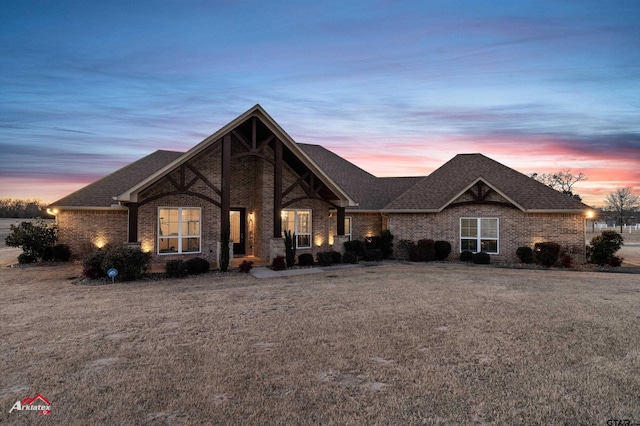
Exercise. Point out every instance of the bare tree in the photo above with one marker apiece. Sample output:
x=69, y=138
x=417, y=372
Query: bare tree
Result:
x=562, y=181
x=622, y=203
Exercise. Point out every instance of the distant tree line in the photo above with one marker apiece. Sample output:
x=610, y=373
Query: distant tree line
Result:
x=18, y=208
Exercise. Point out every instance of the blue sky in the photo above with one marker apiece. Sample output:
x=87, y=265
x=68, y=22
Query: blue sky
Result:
x=396, y=87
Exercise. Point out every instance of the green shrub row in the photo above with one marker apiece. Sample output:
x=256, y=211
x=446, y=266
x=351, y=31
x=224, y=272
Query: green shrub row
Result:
x=181, y=268
x=131, y=263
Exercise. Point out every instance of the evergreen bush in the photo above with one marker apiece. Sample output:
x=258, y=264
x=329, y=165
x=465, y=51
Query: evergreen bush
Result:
x=176, y=269
x=442, y=249
x=481, y=258
x=305, y=259
x=525, y=254
x=426, y=250
x=466, y=256
x=604, y=246
x=279, y=263
x=547, y=253
x=197, y=265
x=349, y=257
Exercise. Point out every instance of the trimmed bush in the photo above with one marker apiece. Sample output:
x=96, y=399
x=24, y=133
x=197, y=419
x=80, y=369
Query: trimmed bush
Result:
x=337, y=257
x=566, y=260
x=466, y=256
x=176, y=269
x=404, y=249
x=197, y=265
x=349, y=257
x=356, y=247
x=547, y=253
x=615, y=261
x=481, y=258
x=26, y=258
x=426, y=250
x=325, y=258
x=525, y=254
x=245, y=266
x=305, y=259
x=604, y=246
x=132, y=264
x=373, y=255
x=279, y=263
x=61, y=252
x=92, y=265
x=442, y=249
x=386, y=244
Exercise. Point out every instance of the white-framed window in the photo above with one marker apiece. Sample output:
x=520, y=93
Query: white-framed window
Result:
x=347, y=227
x=479, y=234
x=179, y=230
x=298, y=221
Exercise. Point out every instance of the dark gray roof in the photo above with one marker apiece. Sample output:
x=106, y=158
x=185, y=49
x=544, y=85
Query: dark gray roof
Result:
x=370, y=192
x=101, y=192
x=451, y=179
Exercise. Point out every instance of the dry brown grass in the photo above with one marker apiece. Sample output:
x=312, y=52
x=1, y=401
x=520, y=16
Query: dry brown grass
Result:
x=399, y=344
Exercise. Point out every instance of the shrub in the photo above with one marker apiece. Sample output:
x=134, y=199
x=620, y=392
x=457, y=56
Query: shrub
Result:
x=546, y=253
x=604, y=246
x=356, y=247
x=481, y=258
x=349, y=257
x=404, y=248
x=197, y=265
x=176, y=269
x=615, y=261
x=525, y=254
x=26, y=258
x=466, y=256
x=33, y=237
x=290, y=248
x=442, y=249
x=92, y=265
x=61, y=252
x=385, y=244
x=132, y=264
x=566, y=260
x=373, y=255
x=305, y=259
x=337, y=257
x=325, y=258
x=279, y=263
x=426, y=250
x=245, y=266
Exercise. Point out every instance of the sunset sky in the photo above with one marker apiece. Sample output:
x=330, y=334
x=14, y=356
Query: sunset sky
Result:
x=398, y=88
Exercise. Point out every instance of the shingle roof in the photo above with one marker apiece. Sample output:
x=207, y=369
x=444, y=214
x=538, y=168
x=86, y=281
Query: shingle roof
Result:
x=435, y=191
x=101, y=192
x=370, y=192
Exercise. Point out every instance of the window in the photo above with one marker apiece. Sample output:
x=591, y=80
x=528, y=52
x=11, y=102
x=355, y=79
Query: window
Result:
x=347, y=227
x=178, y=230
x=298, y=222
x=479, y=234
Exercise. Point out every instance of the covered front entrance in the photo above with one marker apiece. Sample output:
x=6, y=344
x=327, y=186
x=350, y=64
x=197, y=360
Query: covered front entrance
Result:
x=237, y=222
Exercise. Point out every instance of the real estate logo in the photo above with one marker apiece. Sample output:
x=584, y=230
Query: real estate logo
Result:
x=38, y=403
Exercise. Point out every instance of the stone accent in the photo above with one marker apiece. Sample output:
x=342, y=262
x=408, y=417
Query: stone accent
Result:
x=276, y=248
x=338, y=244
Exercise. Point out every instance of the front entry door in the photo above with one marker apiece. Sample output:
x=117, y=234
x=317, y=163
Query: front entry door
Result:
x=237, y=222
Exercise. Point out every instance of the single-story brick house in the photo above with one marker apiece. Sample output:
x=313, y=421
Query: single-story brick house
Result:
x=253, y=177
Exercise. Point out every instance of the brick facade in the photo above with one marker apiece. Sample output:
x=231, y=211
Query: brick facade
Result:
x=516, y=228
x=85, y=230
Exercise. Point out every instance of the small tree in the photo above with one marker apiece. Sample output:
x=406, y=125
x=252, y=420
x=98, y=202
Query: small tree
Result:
x=622, y=203
x=562, y=181
x=603, y=247
x=33, y=237
x=290, y=247
x=224, y=249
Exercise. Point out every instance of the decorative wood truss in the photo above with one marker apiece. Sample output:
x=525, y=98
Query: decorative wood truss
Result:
x=480, y=193
x=251, y=138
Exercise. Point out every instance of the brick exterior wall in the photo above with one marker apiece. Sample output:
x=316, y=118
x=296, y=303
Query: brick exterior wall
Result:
x=516, y=228
x=85, y=230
